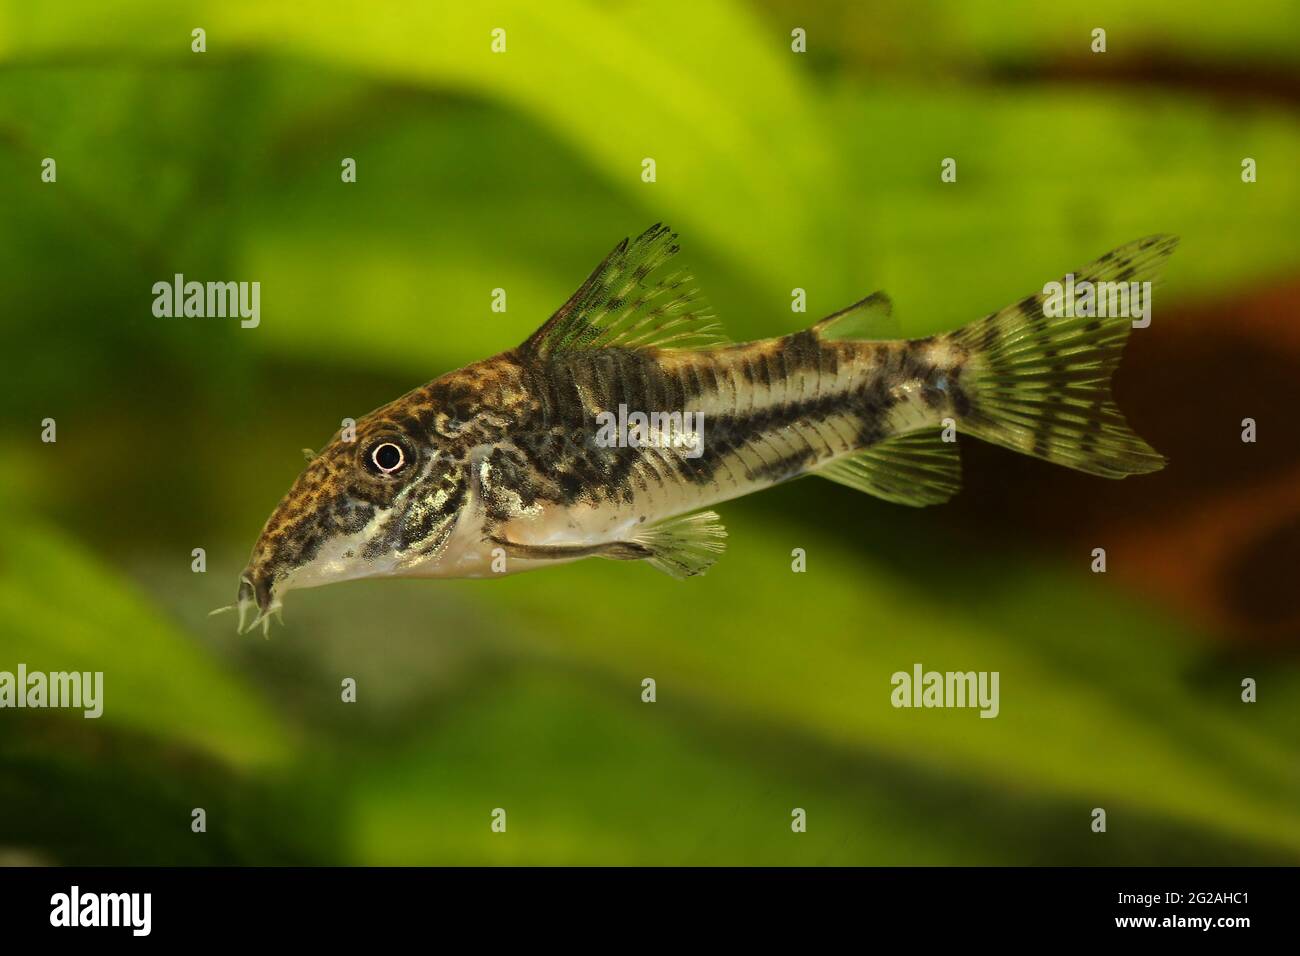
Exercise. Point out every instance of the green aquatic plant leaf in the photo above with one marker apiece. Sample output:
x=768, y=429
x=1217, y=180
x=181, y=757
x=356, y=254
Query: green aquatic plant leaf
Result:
x=64, y=611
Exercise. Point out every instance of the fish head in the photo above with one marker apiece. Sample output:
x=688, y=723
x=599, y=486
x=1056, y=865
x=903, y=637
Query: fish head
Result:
x=381, y=501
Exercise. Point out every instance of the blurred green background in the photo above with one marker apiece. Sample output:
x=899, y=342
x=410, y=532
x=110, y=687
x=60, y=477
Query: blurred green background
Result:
x=520, y=170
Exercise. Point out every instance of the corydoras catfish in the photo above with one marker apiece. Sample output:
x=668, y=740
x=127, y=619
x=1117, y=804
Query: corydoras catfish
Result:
x=611, y=430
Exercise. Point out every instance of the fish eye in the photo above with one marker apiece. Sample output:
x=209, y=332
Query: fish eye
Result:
x=386, y=457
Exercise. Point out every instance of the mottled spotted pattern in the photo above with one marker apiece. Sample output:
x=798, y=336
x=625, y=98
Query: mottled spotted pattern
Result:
x=509, y=446
x=772, y=410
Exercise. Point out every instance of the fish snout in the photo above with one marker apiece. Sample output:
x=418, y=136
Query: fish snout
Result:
x=257, y=593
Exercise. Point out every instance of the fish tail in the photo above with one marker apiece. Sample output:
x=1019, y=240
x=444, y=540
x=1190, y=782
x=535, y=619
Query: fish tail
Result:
x=1037, y=376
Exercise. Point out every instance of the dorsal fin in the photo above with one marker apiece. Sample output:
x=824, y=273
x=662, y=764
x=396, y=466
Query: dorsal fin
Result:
x=870, y=319
x=631, y=301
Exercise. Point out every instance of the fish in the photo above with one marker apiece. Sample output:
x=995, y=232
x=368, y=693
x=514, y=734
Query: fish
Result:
x=528, y=460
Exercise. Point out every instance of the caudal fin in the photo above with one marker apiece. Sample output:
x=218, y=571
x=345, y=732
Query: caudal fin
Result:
x=1038, y=382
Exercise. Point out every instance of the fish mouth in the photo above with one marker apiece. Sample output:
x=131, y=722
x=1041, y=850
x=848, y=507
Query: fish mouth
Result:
x=256, y=593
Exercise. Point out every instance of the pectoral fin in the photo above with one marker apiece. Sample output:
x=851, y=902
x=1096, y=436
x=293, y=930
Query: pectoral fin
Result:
x=682, y=547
